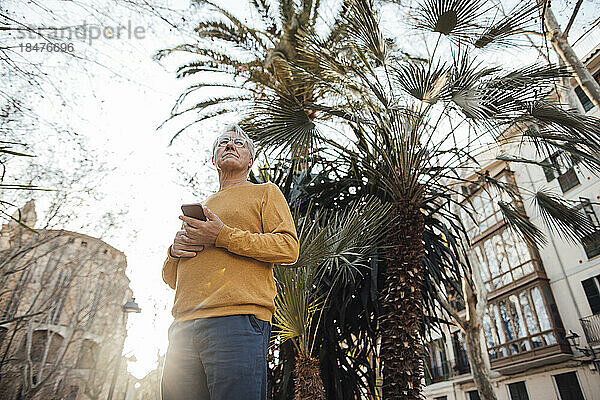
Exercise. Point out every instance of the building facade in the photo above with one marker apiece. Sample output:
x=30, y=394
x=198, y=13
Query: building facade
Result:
x=541, y=299
x=62, y=322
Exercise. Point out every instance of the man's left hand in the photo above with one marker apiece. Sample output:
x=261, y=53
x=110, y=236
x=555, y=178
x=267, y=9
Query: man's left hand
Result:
x=202, y=232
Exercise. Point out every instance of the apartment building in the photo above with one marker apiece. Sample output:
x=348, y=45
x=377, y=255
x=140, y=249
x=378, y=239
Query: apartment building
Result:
x=63, y=299
x=541, y=330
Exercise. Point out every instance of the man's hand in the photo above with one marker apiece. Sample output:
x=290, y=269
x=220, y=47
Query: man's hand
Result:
x=182, y=246
x=202, y=232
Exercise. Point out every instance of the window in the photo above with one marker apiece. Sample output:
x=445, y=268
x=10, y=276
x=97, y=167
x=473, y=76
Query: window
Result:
x=473, y=395
x=521, y=322
x=503, y=258
x=87, y=355
x=15, y=297
x=461, y=360
x=441, y=398
x=568, y=386
x=518, y=391
x=61, y=288
x=483, y=213
x=584, y=99
x=591, y=242
x=562, y=169
x=591, y=287
x=41, y=340
x=436, y=366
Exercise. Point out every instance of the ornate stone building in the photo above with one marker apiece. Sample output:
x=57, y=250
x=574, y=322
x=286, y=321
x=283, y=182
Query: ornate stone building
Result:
x=62, y=315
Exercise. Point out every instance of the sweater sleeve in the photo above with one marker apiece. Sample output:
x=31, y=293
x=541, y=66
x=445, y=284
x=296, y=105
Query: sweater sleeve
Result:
x=279, y=242
x=169, y=270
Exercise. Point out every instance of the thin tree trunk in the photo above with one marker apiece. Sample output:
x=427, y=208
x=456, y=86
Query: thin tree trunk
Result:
x=478, y=367
x=564, y=50
x=476, y=301
x=402, y=307
x=569, y=96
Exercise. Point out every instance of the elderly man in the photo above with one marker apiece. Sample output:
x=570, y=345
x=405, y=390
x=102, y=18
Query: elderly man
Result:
x=222, y=271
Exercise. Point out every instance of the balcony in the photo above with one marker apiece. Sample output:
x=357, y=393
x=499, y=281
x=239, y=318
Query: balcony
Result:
x=444, y=371
x=436, y=373
x=591, y=244
x=461, y=367
x=591, y=328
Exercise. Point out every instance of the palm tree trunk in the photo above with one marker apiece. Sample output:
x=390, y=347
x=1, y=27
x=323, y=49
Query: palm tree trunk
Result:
x=307, y=377
x=402, y=306
x=564, y=50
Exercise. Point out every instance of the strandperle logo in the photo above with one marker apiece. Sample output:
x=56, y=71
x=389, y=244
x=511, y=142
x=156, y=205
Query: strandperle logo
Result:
x=85, y=32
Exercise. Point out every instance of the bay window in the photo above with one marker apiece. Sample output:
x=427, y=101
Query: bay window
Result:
x=520, y=322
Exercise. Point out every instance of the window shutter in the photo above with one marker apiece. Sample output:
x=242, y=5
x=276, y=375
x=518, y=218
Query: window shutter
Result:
x=593, y=295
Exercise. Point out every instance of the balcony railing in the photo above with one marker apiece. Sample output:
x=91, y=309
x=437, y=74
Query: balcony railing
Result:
x=461, y=367
x=591, y=244
x=591, y=328
x=444, y=371
x=436, y=373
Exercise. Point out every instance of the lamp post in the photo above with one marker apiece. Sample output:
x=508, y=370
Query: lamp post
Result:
x=129, y=307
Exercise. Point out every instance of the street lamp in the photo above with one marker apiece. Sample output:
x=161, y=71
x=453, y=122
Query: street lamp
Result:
x=129, y=307
x=573, y=340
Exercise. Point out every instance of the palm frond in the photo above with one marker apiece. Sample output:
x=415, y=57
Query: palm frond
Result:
x=553, y=128
x=295, y=305
x=422, y=81
x=284, y=125
x=216, y=60
x=560, y=217
x=200, y=106
x=240, y=38
x=505, y=96
x=333, y=246
x=189, y=48
x=263, y=9
x=363, y=29
x=196, y=87
x=516, y=159
x=396, y=156
x=501, y=32
x=457, y=19
x=196, y=121
x=256, y=34
x=521, y=225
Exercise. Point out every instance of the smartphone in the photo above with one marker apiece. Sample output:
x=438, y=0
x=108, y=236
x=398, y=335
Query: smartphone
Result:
x=193, y=210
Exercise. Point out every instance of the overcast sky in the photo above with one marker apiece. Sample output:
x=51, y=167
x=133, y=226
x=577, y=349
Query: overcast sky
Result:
x=114, y=101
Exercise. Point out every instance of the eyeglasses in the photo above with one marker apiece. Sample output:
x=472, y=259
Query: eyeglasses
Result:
x=237, y=142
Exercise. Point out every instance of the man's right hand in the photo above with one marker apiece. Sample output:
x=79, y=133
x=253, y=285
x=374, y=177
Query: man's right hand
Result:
x=181, y=246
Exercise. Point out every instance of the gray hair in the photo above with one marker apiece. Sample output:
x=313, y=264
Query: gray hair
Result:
x=235, y=128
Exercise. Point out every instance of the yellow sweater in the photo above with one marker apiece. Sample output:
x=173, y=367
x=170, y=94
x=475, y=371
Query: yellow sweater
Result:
x=236, y=275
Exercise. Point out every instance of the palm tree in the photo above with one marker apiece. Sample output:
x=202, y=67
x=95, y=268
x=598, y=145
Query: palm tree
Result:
x=343, y=342
x=414, y=126
x=335, y=246
x=252, y=58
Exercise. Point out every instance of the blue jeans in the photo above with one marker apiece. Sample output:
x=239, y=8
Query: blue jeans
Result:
x=217, y=358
